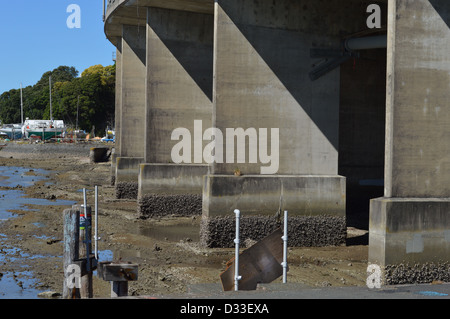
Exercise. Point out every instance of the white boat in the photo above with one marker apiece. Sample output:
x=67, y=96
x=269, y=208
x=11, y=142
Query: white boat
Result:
x=11, y=131
x=43, y=129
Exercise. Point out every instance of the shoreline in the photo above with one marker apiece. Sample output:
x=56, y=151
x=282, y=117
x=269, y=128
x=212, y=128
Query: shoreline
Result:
x=166, y=249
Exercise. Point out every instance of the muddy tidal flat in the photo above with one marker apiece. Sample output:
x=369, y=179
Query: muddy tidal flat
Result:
x=37, y=182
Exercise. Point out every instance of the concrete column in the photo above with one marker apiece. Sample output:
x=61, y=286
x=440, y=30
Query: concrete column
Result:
x=261, y=84
x=179, y=90
x=118, y=110
x=132, y=110
x=410, y=226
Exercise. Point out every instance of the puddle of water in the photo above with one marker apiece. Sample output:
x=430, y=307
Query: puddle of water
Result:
x=13, y=200
x=20, y=284
x=13, y=176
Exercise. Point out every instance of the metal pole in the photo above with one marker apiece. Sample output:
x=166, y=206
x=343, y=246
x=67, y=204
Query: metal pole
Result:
x=285, y=247
x=104, y=11
x=87, y=239
x=236, y=261
x=366, y=43
x=50, y=89
x=96, y=222
x=21, y=104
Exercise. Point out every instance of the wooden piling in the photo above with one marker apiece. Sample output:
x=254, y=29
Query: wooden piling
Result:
x=85, y=235
x=71, y=251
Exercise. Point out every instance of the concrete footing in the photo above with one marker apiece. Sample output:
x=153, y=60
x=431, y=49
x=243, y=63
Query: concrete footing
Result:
x=303, y=231
x=169, y=189
x=126, y=177
x=159, y=205
x=316, y=206
x=409, y=239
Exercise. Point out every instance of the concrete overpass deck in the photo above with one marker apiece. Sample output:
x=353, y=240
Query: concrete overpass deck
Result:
x=134, y=12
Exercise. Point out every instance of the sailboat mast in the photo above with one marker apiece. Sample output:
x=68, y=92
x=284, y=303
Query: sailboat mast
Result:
x=21, y=104
x=50, y=84
x=78, y=106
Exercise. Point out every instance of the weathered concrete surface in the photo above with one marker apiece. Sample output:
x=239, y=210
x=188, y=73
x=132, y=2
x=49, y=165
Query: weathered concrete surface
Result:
x=178, y=92
x=262, y=61
x=267, y=195
x=303, y=231
x=170, y=189
x=160, y=205
x=133, y=70
x=410, y=238
x=179, y=78
x=316, y=206
x=171, y=179
x=126, y=177
x=118, y=97
x=418, y=113
x=411, y=225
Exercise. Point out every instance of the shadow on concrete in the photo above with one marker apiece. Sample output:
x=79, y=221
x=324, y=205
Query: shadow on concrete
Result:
x=189, y=37
x=287, y=54
x=136, y=38
x=442, y=7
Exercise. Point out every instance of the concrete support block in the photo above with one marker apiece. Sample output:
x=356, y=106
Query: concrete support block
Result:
x=410, y=228
x=127, y=174
x=113, y=167
x=133, y=92
x=169, y=189
x=316, y=206
x=171, y=179
x=410, y=239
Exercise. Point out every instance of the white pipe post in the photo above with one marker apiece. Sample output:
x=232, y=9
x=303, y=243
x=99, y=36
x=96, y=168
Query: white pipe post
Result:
x=96, y=222
x=87, y=239
x=236, y=260
x=285, y=247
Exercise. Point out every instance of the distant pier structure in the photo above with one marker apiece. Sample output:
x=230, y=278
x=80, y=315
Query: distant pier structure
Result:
x=336, y=111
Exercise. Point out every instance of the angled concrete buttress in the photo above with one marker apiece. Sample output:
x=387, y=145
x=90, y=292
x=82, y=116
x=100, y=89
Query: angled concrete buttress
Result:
x=263, y=95
x=130, y=151
x=179, y=94
x=410, y=227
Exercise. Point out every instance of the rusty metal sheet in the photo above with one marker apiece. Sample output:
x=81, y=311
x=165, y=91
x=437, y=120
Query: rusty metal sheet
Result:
x=260, y=263
x=110, y=271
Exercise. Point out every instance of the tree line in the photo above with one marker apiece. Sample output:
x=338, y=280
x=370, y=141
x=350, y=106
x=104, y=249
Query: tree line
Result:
x=87, y=100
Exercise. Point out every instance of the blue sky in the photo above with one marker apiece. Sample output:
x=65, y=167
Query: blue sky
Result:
x=34, y=39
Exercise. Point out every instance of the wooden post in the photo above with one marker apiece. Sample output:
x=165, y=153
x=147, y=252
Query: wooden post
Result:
x=71, y=254
x=119, y=289
x=85, y=250
x=119, y=274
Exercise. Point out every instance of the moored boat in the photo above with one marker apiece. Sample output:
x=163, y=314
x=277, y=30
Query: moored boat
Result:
x=11, y=131
x=44, y=129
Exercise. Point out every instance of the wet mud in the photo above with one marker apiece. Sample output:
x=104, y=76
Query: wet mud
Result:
x=167, y=249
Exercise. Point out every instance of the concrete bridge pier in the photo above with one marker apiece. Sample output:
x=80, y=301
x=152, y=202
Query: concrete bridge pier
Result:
x=410, y=227
x=130, y=109
x=262, y=92
x=178, y=94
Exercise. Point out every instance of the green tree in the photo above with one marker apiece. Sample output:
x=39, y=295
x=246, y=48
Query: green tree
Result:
x=92, y=94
